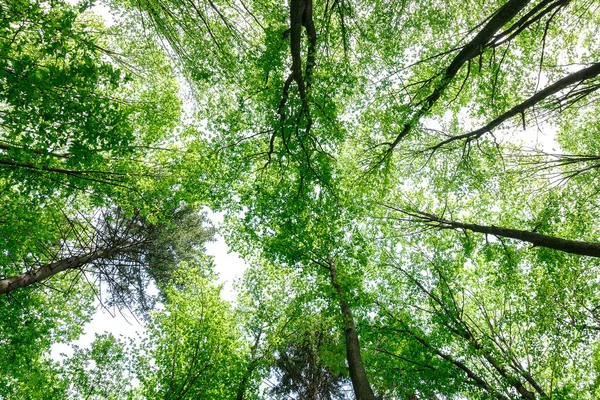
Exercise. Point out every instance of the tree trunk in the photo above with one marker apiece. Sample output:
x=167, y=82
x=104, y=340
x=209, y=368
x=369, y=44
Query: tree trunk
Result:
x=358, y=375
x=15, y=282
x=241, y=391
x=469, y=51
x=590, y=249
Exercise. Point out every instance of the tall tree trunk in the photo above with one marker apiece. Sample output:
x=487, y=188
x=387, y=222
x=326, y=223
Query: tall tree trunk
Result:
x=15, y=282
x=590, y=249
x=358, y=375
x=468, y=52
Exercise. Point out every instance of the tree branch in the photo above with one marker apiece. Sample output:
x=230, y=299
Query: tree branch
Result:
x=471, y=50
x=590, y=249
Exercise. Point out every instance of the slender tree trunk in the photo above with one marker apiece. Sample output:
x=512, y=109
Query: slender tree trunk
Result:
x=590, y=249
x=15, y=282
x=468, y=52
x=358, y=375
x=578, y=77
x=241, y=391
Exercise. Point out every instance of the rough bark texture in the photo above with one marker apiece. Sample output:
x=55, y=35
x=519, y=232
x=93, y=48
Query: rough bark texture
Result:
x=300, y=16
x=358, y=375
x=15, y=282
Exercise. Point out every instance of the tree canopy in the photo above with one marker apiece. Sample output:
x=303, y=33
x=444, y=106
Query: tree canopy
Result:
x=412, y=184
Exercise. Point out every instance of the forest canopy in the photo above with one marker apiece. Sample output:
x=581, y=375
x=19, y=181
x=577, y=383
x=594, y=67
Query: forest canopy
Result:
x=410, y=183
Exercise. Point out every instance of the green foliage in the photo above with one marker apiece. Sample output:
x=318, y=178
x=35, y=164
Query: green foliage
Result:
x=33, y=320
x=432, y=307
x=163, y=246
x=88, y=114
x=99, y=372
x=193, y=345
x=409, y=109
x=305, y=365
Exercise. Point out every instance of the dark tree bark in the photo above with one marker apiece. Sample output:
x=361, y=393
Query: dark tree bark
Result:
x=300, y=16
x=590, y=249
x=569, y=80
x=44, y=272
x=358, y=375
x=471, y=50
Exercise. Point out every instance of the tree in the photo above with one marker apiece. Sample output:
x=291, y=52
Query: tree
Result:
x=32, y=322
x=300, y=368
x=88, y=112
x=470, y=329
x=126, y=253
x=193, y=348
x=265, y=308
x=306, y=142
x=73, y=119
x=100, y=372
x=377, y=115
x=86, y=115
x=280, y=316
